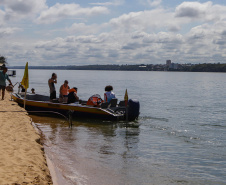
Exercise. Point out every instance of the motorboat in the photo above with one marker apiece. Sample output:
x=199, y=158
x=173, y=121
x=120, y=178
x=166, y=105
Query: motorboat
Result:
x=103, y=110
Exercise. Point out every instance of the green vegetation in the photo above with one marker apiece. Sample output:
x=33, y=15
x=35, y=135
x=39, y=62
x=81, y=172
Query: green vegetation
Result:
x=141, y=67
x=95, y=67
x=209, y=68
x=2, y=59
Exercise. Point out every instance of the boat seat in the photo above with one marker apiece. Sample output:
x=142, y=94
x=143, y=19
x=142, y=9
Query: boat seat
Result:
x=113, y=102
x=104, y=105
x=121, y=104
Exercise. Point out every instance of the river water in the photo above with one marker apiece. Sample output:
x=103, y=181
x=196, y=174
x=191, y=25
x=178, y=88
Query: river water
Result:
x=178, y=139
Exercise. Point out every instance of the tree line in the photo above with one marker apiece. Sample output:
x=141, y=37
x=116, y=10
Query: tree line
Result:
x=206, y=67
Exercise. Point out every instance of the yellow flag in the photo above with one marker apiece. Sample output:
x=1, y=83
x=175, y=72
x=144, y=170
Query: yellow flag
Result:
x=25, y=80
x=126, y=98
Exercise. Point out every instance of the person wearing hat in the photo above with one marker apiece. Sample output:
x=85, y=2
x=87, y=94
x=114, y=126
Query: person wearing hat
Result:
x=3, y=78
x=72, y=96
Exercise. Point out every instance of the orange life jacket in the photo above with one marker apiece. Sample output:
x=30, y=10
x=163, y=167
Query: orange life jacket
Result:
x=64, y=90
x=94, y=100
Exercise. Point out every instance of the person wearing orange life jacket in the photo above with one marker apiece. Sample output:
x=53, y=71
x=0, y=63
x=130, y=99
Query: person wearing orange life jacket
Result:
x=72, y=96
x=108, y=95
x=64, y=92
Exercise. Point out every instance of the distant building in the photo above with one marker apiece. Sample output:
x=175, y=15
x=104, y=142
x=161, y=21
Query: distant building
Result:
x=168, y=62
x=173, y=66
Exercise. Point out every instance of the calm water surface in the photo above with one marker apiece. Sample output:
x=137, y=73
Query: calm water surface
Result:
x=179, y=138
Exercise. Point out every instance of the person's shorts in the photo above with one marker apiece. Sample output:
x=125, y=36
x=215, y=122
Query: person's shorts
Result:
x=53, y=95
x=2, y=87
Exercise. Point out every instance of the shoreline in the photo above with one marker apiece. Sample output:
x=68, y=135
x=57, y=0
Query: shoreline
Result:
x=56, y=175
x=23, y=160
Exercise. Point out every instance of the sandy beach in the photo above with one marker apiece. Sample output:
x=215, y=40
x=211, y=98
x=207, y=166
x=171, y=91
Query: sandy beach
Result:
x=22, y=158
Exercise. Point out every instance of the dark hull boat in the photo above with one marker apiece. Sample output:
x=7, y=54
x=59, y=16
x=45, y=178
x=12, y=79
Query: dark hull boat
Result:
x=106, y=111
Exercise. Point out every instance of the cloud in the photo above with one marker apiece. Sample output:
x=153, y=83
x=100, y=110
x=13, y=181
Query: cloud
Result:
x=201, y=11
x=63, y=11
x=113, y=3
x=16, y=9
x=133, y=46
x=192, y=32
x=7, y=31
x=160, y=19
x=192, y=9
x=110, y=48
x=82, y=28
x=154, y=3
x=142, y=21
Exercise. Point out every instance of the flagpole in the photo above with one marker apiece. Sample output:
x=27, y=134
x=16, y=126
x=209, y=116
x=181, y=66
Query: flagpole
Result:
x=25, y=82
x=126, y=104
x=25, y=97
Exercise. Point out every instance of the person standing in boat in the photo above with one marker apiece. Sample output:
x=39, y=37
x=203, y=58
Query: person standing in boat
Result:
x=3, y=78
x=108, y=95
x=64, y=92
x=52, y=81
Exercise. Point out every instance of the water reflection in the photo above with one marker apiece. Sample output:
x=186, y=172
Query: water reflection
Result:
x=90, y=145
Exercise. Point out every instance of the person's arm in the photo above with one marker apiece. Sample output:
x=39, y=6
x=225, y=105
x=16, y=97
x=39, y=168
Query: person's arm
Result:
x=105, y=97
x=52, y=80
x=114, y=95
x=10, y=83
x=61, y=87
x=76, y=97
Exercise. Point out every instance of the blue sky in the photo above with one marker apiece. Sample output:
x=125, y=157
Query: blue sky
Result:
x=84, y=32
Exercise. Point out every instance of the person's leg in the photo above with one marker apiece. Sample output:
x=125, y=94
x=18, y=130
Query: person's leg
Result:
x=3, y=91
x=0, y=90
x=53, y=95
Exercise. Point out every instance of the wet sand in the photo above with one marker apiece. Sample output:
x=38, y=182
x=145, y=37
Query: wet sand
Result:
x=22, y=158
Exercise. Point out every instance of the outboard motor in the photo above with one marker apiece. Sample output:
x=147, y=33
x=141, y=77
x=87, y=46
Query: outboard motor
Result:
x=133, y=109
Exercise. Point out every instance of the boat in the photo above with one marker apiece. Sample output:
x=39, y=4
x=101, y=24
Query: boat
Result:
x=105, y=111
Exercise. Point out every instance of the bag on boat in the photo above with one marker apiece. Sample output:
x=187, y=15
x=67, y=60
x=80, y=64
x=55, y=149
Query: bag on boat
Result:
x=94, y=100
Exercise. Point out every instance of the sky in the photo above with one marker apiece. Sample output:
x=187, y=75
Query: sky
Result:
x=85, y=32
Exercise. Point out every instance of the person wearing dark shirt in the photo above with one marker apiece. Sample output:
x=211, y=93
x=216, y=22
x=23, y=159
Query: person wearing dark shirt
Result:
x=72, y=96
x=3, y=78
x=52, y=88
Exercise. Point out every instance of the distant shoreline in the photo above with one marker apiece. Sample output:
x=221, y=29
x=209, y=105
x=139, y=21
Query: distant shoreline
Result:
x=141, y=67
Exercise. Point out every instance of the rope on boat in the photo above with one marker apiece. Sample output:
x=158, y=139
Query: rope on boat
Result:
x=69, y=120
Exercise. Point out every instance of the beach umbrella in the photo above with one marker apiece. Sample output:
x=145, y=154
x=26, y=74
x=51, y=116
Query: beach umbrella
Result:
x=25, y=81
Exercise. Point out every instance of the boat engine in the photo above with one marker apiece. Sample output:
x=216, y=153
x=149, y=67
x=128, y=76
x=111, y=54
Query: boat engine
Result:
x=133, y=109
